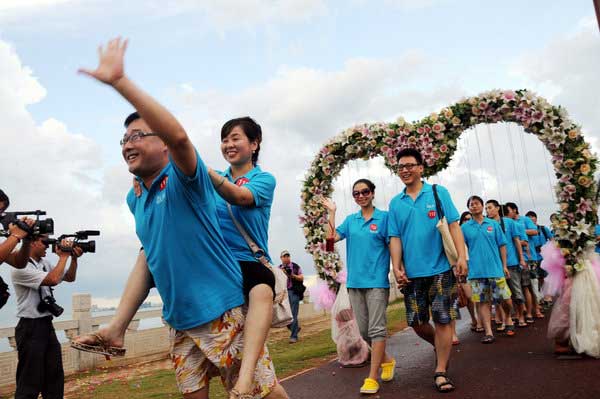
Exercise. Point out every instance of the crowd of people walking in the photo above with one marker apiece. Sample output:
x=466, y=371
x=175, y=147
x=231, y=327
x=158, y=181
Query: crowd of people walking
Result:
x=496, y=272
x=204, y=237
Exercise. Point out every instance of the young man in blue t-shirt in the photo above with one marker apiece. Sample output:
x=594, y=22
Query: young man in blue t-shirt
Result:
x=195, y=273
x=419, y=262
x=487, y=267
x=530, y=255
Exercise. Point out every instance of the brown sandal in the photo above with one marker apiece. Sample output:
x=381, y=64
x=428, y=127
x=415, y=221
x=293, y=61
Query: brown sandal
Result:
x=101, y=348
x=235, y=394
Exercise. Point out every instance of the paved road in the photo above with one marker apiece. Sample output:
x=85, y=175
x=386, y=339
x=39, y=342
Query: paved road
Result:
x=519, y=367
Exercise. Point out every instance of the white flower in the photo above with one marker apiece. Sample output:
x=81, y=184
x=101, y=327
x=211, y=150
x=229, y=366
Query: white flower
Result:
x=582, y=228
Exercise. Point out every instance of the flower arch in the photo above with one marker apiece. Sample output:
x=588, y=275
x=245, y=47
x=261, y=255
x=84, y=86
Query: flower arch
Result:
x=436, y=137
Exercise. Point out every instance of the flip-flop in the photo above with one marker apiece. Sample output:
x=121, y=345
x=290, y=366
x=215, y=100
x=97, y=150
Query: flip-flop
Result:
x=522, y=325
x=101, y=348
x=479, y=329
x=529, y=320
x=448, y=383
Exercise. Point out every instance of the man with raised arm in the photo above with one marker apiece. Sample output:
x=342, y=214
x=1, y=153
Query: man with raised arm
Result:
x=195, y=273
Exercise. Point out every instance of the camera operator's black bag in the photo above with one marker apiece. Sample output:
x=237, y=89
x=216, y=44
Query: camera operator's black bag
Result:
x=4, y=294
x=298, y=286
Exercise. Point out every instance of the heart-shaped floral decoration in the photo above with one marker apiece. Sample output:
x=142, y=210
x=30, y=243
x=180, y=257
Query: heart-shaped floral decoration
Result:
x=436, y=137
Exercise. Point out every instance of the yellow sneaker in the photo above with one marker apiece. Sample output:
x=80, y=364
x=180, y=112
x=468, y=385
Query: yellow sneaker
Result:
x=369, y=386
x=387, y=370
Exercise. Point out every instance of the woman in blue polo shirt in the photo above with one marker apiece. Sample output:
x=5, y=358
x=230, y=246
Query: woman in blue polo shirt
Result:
x=249, y=190
x=368, y=265
x=487, y=264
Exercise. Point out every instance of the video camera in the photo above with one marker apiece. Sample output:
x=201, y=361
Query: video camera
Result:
x=41, y=226
x=86, y=246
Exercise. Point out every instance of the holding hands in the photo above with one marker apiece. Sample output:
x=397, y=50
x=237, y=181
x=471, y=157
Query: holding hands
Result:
x=111, y=62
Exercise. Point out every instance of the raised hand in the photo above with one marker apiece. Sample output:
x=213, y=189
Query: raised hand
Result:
x=110, y=65
x=328, y=204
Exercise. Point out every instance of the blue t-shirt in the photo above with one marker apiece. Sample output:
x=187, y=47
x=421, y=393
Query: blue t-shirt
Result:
x=414, y=222
x=255, y=219
x=484, y=241
x=542, y=239
x=510, y=232
x=368, y=254
x=196, y=275
x=597, y=233
x=528, y=225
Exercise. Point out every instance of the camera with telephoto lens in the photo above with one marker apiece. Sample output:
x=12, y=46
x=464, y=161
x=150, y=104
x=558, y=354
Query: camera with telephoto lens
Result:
x=86, y=246
x=48, y=304
x=41, y=226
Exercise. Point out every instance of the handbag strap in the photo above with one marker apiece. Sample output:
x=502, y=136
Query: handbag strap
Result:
x=258, y=253
x=438, y=204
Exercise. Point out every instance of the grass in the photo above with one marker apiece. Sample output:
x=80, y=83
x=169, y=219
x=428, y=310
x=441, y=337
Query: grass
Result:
x=311, y=351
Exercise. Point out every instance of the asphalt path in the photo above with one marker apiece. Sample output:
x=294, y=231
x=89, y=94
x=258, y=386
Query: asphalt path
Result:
x=522, y=366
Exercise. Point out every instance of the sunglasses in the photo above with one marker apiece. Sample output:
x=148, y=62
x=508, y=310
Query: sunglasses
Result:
x=364, y=192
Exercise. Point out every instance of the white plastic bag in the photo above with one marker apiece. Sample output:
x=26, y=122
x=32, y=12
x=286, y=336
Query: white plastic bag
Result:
x=351, y=347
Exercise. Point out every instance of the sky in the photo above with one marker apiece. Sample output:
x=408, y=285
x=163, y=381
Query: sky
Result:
x=305, y=70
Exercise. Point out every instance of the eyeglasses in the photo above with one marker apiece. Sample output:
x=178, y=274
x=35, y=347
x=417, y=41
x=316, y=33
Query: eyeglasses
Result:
x=407, y=166
x=364, y=192
x=136, y=135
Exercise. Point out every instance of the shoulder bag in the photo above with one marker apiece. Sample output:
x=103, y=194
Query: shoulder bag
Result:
x=282, y=311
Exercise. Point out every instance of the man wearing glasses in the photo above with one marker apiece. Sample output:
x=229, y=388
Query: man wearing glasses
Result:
x=194, y=271
x=419, y=262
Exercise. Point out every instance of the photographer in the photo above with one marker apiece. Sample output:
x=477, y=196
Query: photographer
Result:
x=14, y=258
x=40, y=367
x=295, y=291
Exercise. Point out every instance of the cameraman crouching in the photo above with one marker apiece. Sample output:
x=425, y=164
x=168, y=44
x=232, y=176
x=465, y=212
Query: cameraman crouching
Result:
x=40, y=369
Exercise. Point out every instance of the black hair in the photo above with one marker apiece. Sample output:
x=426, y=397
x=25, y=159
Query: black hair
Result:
x=497, y=205
x=512, y=205
x=411, y=152
x=474, y=197
x=251, y=129
x=132, y=117
x=530, y=214
x=368, y=182
x=4, y=198
x=463, y=217
x=553, y=216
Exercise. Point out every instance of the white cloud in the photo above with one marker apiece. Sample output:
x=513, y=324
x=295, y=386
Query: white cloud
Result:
x=46, y=166
x=569, y=65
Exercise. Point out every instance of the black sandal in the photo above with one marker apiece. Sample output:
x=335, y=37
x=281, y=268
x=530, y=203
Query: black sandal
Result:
x=448, y=383
x=488, y=339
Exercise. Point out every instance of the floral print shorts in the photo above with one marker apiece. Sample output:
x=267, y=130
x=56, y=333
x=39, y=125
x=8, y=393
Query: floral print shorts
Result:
x=215, y=349
x=490, y=290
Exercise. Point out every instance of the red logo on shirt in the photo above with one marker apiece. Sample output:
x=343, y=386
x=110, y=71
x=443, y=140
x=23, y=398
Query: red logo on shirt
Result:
x=490, y=229
x=431, y=214
x=373, y=227
x=163, y=183
x=241, y=181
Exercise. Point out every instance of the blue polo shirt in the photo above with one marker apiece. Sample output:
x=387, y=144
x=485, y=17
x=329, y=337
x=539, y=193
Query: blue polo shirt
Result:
x=414, y=222
x=196, y=275
x=528, y=225
x=367, y=251
x=484, y=241
x=510, y=232
x=255, y=219
x=596, y=234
